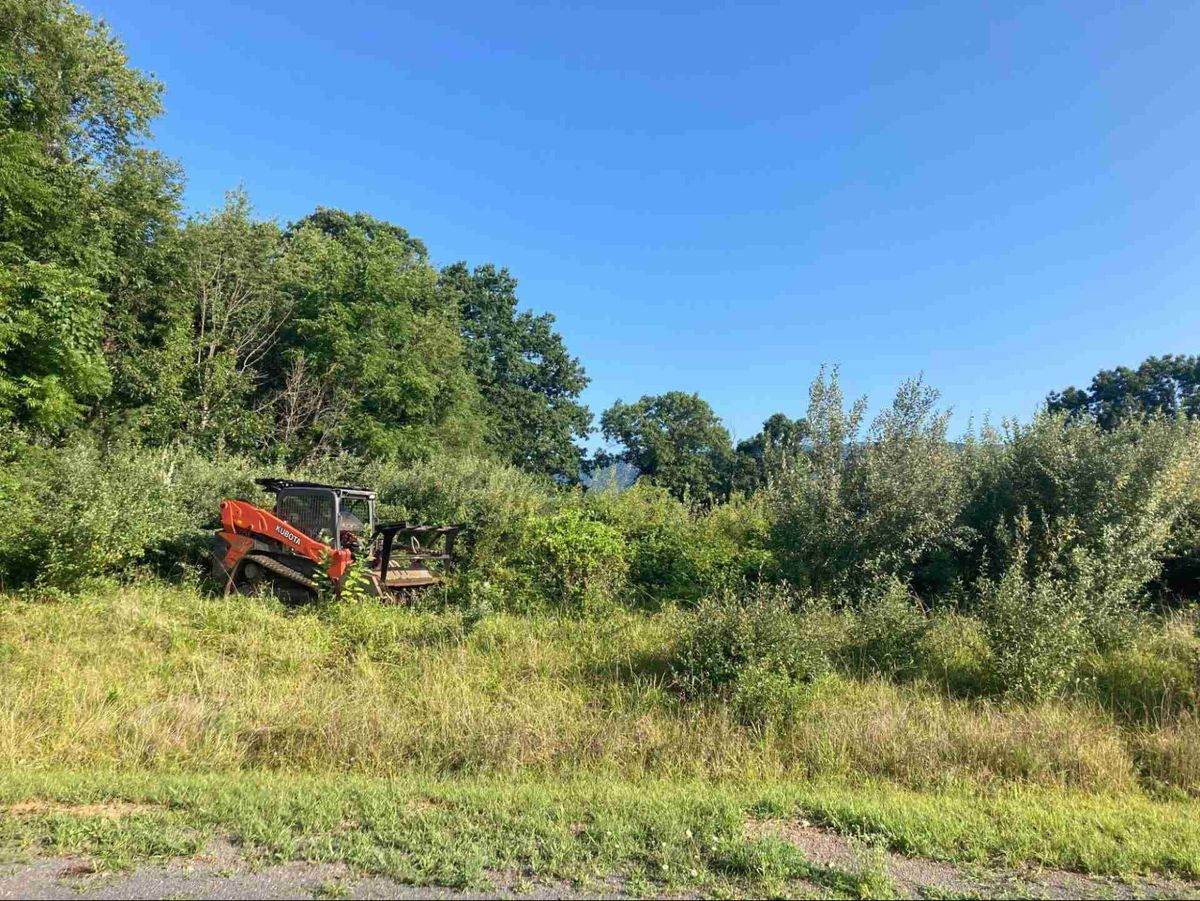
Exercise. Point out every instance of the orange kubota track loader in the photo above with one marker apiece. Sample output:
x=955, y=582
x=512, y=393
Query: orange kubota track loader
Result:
x=315, y=529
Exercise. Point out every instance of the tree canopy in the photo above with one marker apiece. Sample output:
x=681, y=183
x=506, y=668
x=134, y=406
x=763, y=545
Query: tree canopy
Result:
x=82, y=206
x=530, y=383
x=675, y=439
x=1169, y=384
x=335, y=333
x=781, y=441
x=369, y=322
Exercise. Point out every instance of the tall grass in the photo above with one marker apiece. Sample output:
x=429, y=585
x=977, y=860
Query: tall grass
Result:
x=160, y=678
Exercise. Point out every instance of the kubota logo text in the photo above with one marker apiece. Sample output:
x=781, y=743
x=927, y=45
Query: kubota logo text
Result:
x=288, y=534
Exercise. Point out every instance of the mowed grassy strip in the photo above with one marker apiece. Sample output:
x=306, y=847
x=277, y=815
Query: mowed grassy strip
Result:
x=459, y=831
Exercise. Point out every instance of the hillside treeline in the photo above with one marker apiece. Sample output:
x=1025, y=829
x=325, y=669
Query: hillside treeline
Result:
x=126, y=320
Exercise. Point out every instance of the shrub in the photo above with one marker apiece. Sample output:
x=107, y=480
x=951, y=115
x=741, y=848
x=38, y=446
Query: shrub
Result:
x=1035, y=629
x=753, y=632
x=761, y=694
x=85, y=511
x=888, y=631
x=736, y=539
x=573, y=561
x=1101, y=505
x=680, y=553
x=854, y=509
x=660, y=532
x=953, y=653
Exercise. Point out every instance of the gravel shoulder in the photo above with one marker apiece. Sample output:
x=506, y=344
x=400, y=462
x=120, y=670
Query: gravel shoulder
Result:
x=223, y=871
x=921, y=877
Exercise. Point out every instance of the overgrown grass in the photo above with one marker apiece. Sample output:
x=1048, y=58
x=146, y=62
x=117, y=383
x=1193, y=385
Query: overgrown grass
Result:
x=161, y=677
x=554, y=745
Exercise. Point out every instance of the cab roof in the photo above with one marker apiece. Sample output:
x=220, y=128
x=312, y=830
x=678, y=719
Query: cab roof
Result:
x=271, y=484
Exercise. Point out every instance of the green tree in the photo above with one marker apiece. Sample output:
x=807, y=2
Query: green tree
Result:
x=1169, y=384
x=675, y=439
x=142, y=288
x=530, y=383
x=220, y=323
x=777, y=446
x=80, y=203
x=371, y=359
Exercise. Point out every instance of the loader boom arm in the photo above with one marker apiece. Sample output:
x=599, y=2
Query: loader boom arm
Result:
x=241, y=518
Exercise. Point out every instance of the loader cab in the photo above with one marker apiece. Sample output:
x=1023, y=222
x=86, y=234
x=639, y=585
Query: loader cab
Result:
x=338, y=515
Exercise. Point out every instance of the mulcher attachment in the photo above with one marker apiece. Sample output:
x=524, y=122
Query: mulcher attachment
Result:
x=407, y=550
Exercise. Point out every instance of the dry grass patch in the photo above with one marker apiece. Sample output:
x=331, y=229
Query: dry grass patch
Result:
x=109, y=810
x=1171, y=755
x=917, y=738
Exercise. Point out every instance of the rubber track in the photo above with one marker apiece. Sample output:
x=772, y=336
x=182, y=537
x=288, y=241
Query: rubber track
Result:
x=280, y=570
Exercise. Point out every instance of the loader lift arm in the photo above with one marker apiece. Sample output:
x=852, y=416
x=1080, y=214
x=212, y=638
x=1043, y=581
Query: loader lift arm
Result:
x=241, y=519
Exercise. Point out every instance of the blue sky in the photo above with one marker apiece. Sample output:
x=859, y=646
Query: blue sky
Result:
x=720, y=197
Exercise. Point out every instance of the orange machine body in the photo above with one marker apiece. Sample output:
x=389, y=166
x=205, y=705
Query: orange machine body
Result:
x=244, y=523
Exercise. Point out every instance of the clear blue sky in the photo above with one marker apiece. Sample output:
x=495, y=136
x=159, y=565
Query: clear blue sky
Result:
x=720, y=197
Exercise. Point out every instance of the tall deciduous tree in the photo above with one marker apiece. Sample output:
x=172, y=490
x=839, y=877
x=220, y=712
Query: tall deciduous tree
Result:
x=80, y=203
x=675, y=439
x=759, y=458
x=373, y=332
x=530, y=383
x=226, y=314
